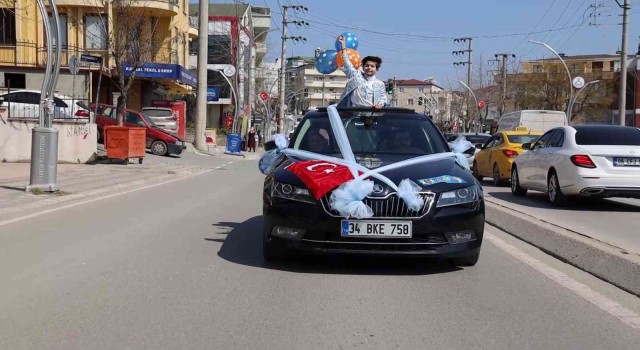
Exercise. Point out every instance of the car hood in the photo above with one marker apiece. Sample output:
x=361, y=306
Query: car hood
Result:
x=167, y=133
x=436, y=176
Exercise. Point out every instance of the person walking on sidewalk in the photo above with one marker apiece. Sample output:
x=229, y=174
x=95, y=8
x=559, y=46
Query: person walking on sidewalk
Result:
x=251, y=140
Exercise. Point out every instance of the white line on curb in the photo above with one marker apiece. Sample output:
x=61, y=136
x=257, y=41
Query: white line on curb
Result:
x=613, y=308
x=71, y=205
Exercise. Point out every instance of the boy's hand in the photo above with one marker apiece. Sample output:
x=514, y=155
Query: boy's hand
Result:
x=341, y=40
x=378, y=106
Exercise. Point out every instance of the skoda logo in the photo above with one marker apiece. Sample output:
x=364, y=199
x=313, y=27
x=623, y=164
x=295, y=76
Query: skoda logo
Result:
x=377, y=188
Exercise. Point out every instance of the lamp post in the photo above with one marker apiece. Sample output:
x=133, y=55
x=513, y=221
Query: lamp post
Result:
x=474, y=99
x=573, y=102
x=565, y=67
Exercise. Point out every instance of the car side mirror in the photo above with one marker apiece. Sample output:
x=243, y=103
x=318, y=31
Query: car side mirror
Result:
x=526, y=145
x=269, y=145
x=479, y=146
x=470, y=151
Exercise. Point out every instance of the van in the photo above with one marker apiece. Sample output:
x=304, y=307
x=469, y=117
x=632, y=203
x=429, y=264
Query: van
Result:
x=534, y=120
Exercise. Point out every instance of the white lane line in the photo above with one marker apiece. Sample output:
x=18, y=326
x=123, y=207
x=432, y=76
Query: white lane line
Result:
x=91, y=200
x=624, y=314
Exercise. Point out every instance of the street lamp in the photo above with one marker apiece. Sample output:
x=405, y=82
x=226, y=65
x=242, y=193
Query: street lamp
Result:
x=474, y=99
x=565, y=67
x=573, y=102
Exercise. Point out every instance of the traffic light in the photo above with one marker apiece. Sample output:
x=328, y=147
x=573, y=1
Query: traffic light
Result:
x=390, y=86
x=420, y=101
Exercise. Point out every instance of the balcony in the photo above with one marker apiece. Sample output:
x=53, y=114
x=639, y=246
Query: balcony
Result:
x=158, y=8
x=28, y=54
x=261, y=18
x=193, y=27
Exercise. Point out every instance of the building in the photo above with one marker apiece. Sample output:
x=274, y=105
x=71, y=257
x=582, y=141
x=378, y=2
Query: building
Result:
x=236, y=37
x=311, y=89
x=85, y=27
x=421, y=95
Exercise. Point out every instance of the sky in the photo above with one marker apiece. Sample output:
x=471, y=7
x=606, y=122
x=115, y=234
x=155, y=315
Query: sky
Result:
x=415, y=38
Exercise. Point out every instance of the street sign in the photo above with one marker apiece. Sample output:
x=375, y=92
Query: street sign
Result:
x=91, y=59
x=578, y=82
x=74, y=65
x=264, y=95
x=481, y=104
x=213, y=93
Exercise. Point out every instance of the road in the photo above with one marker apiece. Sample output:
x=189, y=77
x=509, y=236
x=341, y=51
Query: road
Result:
x=614, y=221
x=180, y=266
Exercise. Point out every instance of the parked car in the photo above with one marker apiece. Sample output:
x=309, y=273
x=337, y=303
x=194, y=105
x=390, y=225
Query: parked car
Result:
x=583, y=160
x=497, y=154
x=159, y=141
x=26, y=104
x=450, y=224
x=476, y=139
x=163, y=117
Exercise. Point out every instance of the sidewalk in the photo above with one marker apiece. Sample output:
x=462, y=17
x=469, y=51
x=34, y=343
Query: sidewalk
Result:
x=81, y=181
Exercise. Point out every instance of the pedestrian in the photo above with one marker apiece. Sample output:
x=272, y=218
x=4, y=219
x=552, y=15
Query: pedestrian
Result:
x=259, y=138
x=251, y=140
x=363, y=89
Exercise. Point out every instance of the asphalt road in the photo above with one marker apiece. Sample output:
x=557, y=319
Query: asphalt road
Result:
x=614, y=221
x=180, y=266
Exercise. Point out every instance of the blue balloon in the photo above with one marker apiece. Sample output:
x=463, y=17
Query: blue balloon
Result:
x=350, y=41
x=326, y=61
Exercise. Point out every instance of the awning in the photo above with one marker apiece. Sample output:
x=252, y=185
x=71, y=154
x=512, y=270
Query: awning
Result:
x=173, y=72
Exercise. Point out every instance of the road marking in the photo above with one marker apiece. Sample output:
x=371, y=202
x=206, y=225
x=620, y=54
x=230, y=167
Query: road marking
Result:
x=91, y=200
x=622, y=313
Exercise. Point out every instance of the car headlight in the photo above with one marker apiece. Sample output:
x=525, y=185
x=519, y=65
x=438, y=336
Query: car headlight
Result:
x=464, y=195
x=291, y=192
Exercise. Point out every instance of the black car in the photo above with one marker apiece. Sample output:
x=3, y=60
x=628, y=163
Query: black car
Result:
x=450, y=224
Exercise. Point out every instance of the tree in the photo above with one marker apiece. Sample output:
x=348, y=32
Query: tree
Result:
x=548, y=89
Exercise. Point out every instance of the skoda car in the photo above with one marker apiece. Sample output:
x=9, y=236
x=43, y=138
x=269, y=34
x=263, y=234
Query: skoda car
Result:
x=450, y=224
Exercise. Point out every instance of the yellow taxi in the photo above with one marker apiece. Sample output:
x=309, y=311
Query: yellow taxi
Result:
x=496, y=156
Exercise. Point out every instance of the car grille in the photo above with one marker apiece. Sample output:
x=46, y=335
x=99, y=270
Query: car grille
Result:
x=389, y=207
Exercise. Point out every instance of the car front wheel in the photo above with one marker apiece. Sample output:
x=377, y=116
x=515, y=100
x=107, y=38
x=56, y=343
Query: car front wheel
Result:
x=159, y=148
x=475, y=172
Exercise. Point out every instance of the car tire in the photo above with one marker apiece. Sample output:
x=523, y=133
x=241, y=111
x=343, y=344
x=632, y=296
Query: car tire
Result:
x=516, y=190
x=475, y=172
x=554, y=192
x=469, y=260
x=274, y=250
x=159, y=148
x=496, y=175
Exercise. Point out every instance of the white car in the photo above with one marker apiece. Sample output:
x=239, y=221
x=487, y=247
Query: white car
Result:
x=26, y=104
x=583, y=160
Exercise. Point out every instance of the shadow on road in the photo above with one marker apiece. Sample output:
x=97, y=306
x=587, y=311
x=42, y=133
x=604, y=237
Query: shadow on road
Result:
x=243, y=245
x=539, y=200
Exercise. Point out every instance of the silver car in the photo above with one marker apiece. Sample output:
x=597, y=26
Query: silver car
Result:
x=163, y=117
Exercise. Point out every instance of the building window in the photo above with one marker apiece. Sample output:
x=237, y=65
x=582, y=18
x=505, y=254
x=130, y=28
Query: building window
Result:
x=597, y=66
x=410, y=102
x=63, y=29
x=332, y=90
x=401, y=89
x=317, y=91
x=220, y=50
x=421, y=89
x=7, y=26
x=394, y=101
x=96, y=32
x=15, y=80
x=537, y=68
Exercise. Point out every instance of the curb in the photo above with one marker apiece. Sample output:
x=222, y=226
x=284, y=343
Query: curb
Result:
x=609, y=263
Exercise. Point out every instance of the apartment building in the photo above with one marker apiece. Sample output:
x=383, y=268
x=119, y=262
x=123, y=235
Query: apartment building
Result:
x=87, y=27
x=312, y=89
x=236, y=37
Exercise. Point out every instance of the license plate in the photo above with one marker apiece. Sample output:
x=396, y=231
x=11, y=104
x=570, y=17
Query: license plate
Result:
x=383, y=229
x=626, y=161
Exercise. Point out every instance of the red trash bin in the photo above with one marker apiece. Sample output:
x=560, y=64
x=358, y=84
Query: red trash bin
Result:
x=123, y=142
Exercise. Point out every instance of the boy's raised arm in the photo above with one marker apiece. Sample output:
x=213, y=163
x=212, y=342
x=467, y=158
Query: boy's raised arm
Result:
x=347, y=67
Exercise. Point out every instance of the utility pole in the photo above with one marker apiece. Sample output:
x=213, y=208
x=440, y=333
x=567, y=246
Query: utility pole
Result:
x=468, y=63
x=503, y=71
x=622, y=93
x=285, y=8
x=201, y=98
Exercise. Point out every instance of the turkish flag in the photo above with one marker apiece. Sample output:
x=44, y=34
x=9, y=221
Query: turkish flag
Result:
x=320, y=176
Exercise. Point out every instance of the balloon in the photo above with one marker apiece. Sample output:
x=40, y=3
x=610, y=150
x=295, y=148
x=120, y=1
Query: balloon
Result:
x=326, y=62
x=350, y=41
x=354, y=58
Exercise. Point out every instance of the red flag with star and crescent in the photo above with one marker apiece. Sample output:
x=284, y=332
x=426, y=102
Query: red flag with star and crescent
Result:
x=320, y=176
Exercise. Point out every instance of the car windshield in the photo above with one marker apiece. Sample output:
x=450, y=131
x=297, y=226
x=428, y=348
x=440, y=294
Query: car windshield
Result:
x=149, y=121
x=608, y=135
x=401, y=134
x=522, y=138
